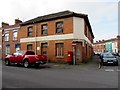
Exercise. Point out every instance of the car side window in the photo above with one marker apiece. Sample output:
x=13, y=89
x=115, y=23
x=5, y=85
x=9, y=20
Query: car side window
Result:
x=19, y=53
x=15, y=54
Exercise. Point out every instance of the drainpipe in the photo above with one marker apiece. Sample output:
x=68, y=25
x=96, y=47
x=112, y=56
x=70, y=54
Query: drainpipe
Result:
x=35, y=39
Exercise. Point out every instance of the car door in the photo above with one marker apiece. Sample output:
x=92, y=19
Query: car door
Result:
x=19, y=58
x=13, y=57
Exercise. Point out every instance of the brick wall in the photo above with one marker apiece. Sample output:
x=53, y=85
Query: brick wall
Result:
x=0, y=43
x=85, y=52
x=10, y=28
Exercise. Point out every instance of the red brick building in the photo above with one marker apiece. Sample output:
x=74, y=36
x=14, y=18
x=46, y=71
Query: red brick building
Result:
x=100, y=46
x=55, y=34
x=1, y=43
x=11, y=39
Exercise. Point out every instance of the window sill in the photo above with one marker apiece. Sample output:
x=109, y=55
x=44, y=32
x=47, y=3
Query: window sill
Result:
x=30, y=36
x=6, y=41
x=59, y=33
x=14, y=40
x=61, y=57
x=44, y=34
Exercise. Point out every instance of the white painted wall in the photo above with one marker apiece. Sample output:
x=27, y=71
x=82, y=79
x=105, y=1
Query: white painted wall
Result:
x=78, y=29
x=47, y=38
x=114, y=47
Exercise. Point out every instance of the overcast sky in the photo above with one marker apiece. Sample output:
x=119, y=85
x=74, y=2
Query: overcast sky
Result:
x=103, y=14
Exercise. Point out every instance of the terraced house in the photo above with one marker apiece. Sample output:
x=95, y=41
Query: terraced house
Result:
x=56, y=34
x=111, y=45
x=11, y=39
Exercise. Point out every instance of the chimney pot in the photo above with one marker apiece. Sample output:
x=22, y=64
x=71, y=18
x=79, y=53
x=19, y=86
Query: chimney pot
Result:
x=17, y=21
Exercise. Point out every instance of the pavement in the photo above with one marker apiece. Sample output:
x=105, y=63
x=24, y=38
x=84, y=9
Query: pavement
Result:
x=93, y=65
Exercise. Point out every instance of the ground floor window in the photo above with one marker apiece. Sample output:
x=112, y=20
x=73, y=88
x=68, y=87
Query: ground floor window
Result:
x=17, y=47
x=59, y=49
x=29, y=47
x=44, y=48
x=7, y=49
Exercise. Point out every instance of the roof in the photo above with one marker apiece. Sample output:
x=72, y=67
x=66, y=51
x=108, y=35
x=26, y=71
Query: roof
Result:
x=11, y=26
x=105, y=41
x=59, y=15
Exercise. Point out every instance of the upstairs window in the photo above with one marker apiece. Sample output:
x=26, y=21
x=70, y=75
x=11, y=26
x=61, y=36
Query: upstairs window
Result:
x=44, y=29
x=7, y=36
x=30, y=30
x=15, y=35
x=59, y=27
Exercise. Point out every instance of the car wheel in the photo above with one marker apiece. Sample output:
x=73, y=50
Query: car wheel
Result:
x=7, y=62
x=26, y=64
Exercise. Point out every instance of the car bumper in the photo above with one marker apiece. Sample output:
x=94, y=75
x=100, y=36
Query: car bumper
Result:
x=110, y=63
x=40, y=62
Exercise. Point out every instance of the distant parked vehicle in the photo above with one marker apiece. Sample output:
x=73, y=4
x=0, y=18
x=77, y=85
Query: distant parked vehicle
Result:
x=97, y=53
x=26, y=58
x=108, y=58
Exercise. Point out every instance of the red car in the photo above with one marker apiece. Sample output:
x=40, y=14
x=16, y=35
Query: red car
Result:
x=26, y=58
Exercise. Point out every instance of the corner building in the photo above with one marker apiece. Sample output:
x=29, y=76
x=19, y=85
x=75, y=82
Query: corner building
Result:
x=56, y=34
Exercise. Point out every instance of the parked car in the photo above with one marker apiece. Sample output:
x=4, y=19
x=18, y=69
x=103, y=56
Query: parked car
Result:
x=108, y=58
x=25, y=58
x=97, y=53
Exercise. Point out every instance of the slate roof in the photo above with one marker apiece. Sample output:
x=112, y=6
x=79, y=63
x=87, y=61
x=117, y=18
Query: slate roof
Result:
x=59, y=15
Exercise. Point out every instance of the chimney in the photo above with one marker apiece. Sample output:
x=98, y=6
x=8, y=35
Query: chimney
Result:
x=17, y=21
x=118, y=36
x=4, y=24
x=103, y=40
x=99, y=40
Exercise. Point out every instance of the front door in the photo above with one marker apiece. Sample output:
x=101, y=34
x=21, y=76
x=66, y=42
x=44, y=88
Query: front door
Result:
x=44, y=47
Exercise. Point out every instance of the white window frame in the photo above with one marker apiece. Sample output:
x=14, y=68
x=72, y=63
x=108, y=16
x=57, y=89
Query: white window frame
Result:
x=15, y=35
x=6, y=36
x=60, y=50
x=7, y=50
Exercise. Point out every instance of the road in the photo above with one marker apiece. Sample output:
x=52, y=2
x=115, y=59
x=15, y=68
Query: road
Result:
x=61, y=76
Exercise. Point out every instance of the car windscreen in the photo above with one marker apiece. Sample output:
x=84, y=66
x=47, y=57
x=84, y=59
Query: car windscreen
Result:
x=108, y=56
x=30, y=53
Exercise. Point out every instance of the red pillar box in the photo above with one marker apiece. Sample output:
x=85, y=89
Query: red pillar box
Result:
x=70, y=57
